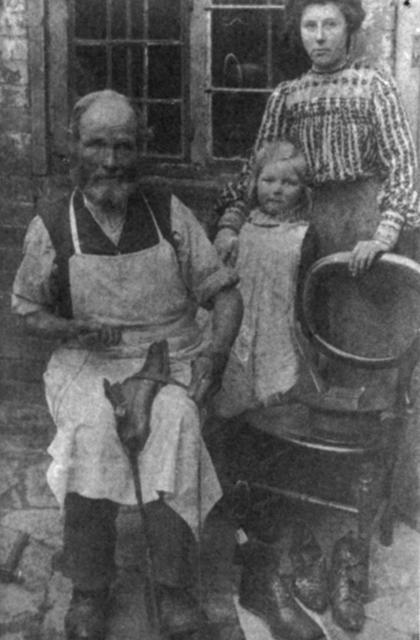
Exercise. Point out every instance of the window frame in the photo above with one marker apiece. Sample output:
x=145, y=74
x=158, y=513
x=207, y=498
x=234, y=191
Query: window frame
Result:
x=198, y=161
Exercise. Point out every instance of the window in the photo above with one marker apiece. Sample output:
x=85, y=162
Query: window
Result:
x=137, y=47
x=249, y=57
x=200, y=70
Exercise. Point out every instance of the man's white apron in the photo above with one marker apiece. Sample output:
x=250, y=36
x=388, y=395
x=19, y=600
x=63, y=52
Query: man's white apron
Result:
x=144, y=293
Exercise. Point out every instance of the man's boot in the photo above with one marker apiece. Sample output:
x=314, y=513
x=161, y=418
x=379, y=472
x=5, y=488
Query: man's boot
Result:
x=86, y=616
x=348, y=579
x=172, y=546
x=88, y=560
x=266, y=594
x=310, y=576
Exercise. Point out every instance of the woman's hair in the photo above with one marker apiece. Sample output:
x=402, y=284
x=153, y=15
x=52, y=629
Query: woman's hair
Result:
x=88, y=100
x=281, y=150
x=352, y=11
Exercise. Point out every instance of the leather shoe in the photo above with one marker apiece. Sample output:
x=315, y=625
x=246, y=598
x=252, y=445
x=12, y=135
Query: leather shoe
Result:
x=179, y=611
x=85, y=618
x=348, y=579
x=310, y=576
x=265, y=593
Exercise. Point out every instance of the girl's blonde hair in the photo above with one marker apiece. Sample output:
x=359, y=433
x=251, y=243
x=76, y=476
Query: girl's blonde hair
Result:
x=281, y=150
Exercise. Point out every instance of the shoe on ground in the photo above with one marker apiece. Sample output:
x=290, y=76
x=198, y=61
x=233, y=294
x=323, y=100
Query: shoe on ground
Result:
x=86, y=616
x=265, y=593
x=180, y=614
x=310, y=575
x=348, y=579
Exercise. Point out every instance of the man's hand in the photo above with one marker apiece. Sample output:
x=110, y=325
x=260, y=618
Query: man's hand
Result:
x=363, y=255
x=88, y=332
x=206, y=377
x=227, y=245
x=93, y=334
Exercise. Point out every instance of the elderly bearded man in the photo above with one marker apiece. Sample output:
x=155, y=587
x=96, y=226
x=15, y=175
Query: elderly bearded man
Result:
x=107, y=271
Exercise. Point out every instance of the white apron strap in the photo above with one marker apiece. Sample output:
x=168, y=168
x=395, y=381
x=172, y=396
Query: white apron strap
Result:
x=73, y=227
x=149, y=208
x=73, y=224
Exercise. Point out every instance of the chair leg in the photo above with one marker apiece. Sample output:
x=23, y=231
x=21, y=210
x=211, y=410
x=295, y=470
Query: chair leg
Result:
x=366, y=505
x=396, y=427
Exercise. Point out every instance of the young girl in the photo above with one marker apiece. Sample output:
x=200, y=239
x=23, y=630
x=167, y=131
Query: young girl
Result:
x=263, y=361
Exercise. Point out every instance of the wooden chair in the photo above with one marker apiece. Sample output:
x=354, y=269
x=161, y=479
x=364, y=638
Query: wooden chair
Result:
x=348, y=438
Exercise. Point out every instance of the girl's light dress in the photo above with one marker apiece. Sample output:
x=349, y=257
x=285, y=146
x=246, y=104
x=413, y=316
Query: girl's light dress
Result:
x=264, y=359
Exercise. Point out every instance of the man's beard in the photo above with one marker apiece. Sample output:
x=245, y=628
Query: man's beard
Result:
x=109, y=195
x=109, y=192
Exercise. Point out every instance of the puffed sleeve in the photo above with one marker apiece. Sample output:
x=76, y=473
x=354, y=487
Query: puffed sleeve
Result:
x=398, y=200
x=231, y=203
x=202, y=270
x=32, y=287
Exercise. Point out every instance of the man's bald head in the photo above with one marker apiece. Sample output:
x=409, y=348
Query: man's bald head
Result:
x=106, y=100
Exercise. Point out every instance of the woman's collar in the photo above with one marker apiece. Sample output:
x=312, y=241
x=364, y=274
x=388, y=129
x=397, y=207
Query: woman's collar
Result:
x=319, y=72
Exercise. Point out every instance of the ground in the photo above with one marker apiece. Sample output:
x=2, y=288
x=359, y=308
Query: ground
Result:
x=35, y=609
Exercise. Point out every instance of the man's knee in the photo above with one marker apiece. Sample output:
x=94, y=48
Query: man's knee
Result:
x=176, y=401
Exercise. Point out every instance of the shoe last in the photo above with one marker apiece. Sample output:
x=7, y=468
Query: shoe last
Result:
x=348, y=579
x=85, y=618
x=310, y=575
x=264, y=592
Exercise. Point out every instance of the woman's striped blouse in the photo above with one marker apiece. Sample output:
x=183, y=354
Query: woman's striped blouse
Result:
x=350, y=125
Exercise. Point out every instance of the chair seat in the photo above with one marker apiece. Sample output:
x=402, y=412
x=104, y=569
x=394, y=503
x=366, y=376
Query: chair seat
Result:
x=369, y=399
x=347, y=433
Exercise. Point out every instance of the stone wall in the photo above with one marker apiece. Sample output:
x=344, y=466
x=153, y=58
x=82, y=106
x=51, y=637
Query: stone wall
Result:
x=20, y=366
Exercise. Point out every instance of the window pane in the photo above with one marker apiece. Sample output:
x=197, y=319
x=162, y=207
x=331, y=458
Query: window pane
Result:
x=118, y=19
x=90, y=69
x=164, y=19
x=165, y=72
x=127, y=69
x=90, y=19
x=137, y=80
x=165, y=120
x=119, y=69
x=137, y=19
x=239, y=48
x=236, y=118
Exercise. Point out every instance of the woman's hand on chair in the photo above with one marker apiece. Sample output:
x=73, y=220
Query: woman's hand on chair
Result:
x=227, y=245
x=363, y=255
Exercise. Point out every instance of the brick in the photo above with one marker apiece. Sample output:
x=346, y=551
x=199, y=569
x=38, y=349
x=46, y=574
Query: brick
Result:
x=15, y=95
x=12, y=26
x=22, y=391
x=17, y=214
x=22, y=370
x=15, y=6
x=15, y=156
x=13, y=118
x=14, y=49
x=10, y=258
x=6, y=281
x=24, y=347
x=17, y=189
x=11, y=235
x=14, y=72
